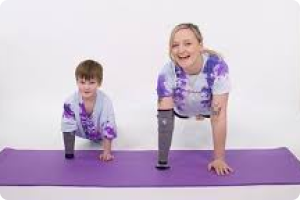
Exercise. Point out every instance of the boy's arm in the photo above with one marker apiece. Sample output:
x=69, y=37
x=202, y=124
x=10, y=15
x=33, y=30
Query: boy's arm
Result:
x=109, y=129
x=107, y=146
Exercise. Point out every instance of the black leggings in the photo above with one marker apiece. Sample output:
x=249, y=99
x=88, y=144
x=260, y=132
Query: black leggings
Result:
x=185, y=117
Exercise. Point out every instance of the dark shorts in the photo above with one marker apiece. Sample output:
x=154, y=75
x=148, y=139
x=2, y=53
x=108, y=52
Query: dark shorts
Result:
x=185, y=117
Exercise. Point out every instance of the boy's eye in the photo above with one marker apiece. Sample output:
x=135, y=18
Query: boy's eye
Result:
x=174, y=45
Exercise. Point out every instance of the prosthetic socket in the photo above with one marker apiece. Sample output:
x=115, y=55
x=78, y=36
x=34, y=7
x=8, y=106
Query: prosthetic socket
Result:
x=69, y=142
x=165, y=131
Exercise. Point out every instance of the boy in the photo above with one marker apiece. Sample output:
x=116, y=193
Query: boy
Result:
x=88, y=113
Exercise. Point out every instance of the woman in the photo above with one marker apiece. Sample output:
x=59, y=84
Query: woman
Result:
x=194, y=83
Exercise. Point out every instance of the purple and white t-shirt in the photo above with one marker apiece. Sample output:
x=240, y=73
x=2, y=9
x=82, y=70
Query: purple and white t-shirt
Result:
x=192, y=94
x=95, y=126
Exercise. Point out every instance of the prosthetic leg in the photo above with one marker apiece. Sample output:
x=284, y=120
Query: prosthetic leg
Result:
x=69, y=141
x=165, y=131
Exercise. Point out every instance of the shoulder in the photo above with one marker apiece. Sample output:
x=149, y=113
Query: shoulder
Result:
x=215, y=62
x=168, y=71
x=103, y=97
x=71, y=99
x=168, y=67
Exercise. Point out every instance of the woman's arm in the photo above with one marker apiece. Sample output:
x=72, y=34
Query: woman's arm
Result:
x=219, y=131
x=219, y=124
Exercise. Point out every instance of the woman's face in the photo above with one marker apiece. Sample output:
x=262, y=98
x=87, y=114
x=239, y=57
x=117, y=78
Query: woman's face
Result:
x=185, y=49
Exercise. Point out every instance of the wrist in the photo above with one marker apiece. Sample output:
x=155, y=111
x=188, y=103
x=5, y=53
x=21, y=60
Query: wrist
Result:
x=219, y=157
x=106, y=151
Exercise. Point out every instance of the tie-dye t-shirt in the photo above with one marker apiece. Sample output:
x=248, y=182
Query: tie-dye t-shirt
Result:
x=100, y=123
x=192, y=94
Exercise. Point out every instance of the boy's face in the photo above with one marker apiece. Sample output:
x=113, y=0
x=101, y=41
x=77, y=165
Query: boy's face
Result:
x=87, y=88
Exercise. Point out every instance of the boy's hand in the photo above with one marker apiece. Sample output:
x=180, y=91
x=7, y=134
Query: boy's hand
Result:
x=106, y=156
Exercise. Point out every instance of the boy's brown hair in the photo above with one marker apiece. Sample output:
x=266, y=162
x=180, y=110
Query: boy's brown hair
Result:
x=89, y=69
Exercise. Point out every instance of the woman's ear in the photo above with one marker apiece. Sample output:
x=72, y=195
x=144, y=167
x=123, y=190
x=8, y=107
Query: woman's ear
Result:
x=201, y=47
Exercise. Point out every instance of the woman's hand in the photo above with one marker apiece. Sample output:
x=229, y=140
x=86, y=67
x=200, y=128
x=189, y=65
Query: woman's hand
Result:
x=220, y=167
x=106, y=156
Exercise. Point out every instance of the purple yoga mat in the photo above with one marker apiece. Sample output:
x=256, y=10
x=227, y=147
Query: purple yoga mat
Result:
x=136, y=168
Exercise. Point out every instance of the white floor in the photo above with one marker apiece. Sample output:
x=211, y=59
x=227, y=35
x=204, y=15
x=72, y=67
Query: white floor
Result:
x=210, y=193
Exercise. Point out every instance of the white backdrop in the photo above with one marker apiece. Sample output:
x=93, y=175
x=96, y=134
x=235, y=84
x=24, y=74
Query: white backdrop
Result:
x=41, y=42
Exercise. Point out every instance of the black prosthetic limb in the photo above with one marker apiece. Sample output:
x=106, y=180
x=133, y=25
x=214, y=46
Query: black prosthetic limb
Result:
x=69, y=142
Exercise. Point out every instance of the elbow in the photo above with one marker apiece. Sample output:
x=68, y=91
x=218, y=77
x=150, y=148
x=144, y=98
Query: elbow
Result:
x=218, y=119
x=215, y=119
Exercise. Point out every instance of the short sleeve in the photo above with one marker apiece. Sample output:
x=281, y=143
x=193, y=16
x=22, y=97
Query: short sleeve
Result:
x=68, y=122
x=221, y=78
x=108, y=124
x=165, y=81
